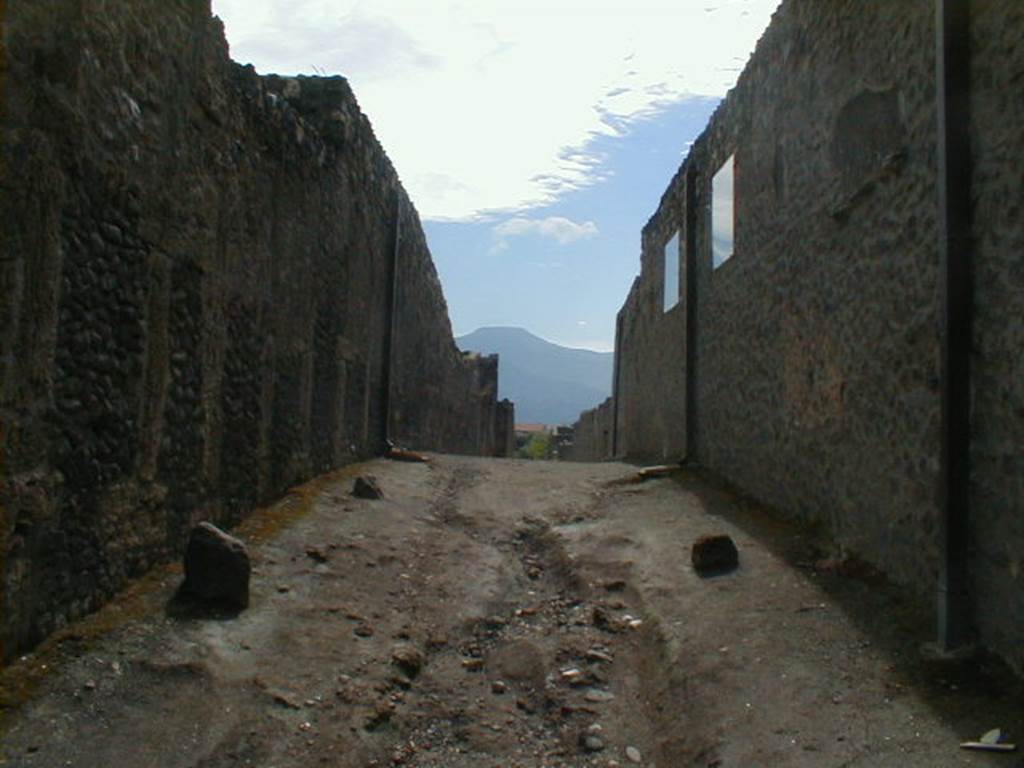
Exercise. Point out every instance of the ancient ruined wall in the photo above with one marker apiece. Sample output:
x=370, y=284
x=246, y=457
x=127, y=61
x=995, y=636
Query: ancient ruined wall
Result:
x=198, y=275
x=997, y=466
x=817, y=357
x=816, y=360
x=451, y=407
x=505, y=429
x=652, y=378
x=592, y=434
x=816, y=367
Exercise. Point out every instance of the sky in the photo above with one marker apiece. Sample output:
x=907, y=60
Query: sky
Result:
x=534, y=138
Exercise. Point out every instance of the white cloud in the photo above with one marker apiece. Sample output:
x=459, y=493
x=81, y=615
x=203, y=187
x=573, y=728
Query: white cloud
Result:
x=560, y=229
x=500, y=97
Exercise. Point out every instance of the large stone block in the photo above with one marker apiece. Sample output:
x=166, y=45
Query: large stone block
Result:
x=216, y=567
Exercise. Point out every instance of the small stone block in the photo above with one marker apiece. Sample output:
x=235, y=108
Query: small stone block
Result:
x=366, y=488
x=714, y=554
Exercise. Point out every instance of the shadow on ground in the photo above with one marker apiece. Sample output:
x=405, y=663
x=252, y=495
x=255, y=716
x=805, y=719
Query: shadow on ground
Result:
x=977, y=693
x=184, y=606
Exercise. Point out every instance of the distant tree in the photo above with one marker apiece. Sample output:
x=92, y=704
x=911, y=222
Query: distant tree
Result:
x=538, y=447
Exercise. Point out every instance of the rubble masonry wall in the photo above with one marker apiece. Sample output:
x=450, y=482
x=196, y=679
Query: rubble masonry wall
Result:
x=817, y=343
x=197, y=289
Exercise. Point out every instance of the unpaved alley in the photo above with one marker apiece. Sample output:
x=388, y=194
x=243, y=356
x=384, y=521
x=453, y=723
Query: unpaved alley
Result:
x=502, y=613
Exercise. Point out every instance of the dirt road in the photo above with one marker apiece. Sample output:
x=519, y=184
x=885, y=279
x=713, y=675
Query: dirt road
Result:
x=505, y=613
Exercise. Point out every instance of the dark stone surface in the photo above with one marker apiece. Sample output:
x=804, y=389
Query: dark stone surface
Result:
x=714, y=554
x=505, y=429
x=216, y=567
x=997, y=460
x=365, y=487
x=592, y=434
x=409, y=659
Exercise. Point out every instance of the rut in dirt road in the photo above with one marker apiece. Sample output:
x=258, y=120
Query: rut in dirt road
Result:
x=490, y=614
x=550, y=672
x=443, y=626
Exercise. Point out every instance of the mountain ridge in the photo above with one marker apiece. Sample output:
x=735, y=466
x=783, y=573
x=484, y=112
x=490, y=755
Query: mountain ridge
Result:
x=549, y=383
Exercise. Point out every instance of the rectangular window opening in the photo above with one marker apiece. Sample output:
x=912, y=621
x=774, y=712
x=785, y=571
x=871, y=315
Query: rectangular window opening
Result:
x=671, y=292
x=723, y=212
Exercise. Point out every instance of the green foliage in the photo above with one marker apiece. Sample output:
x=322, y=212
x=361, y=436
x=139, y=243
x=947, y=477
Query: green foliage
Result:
x=538, y=447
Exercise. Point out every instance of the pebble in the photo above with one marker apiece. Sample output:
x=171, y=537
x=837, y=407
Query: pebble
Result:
x=598, y=696
x=408, y=659
x=498, y=687
x=571, y=675
x=633, y=754
x=591, y=742
x=284, y=700
x=317, y=554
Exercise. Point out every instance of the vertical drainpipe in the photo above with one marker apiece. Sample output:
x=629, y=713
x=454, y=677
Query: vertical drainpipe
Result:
x=616, y=362
x=952, y=21
x=6, y=361
x=690, y=256
x=390, y=339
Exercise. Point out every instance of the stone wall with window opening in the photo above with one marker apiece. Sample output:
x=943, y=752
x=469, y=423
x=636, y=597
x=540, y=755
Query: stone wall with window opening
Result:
x=816, y=369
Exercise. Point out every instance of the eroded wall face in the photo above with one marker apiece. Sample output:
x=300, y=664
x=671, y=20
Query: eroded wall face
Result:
x=817, y=362
x=652, y=379
x=997, y=457
x=593, y=434
x=505, y=429
x=197, y=283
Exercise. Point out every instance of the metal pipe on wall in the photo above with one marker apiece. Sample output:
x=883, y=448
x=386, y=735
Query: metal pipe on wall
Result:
x=690, y=271
x=952, y=22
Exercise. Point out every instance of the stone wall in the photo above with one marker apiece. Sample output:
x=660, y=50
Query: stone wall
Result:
x=651, y=383
x=816, y=367
x=214, y=288
x=592, y=434
x=997, y=465
x=505, y=429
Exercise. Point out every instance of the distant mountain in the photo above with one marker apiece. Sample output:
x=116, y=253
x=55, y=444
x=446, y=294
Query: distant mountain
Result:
x=550, y=384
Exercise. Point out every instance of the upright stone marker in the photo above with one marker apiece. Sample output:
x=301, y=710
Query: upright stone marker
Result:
x=216, y=567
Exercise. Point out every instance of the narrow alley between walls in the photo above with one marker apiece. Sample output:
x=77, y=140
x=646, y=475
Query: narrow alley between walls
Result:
x=490, y=612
